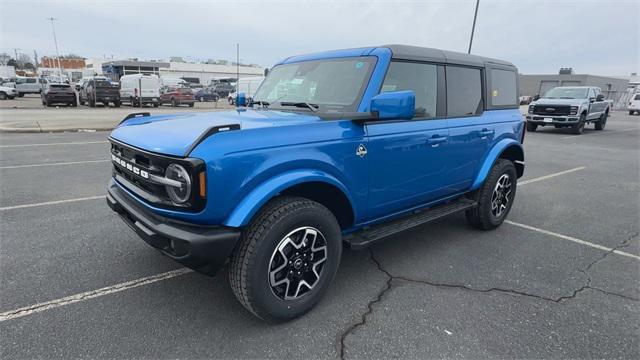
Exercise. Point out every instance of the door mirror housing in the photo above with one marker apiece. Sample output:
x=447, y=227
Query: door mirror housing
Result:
x=394, y=105
x=600, y=97
x=241, y=99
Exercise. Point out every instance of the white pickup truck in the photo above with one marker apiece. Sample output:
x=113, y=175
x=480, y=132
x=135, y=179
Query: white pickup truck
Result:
x=569, y=106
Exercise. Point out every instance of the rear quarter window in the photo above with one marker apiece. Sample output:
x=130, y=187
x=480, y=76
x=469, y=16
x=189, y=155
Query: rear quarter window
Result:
x=464, y=91
x=503, y=90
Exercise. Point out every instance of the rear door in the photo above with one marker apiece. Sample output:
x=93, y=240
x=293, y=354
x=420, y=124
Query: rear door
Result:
x=470, y=132
x=408, y=157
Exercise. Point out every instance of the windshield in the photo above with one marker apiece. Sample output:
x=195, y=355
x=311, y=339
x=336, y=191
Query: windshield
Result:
x=334, y=85
x=566, y=93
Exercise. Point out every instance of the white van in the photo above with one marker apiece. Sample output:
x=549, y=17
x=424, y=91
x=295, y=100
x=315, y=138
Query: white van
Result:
x=137, y=89
x=248, y=86
x=173, y=82
x=28, y=85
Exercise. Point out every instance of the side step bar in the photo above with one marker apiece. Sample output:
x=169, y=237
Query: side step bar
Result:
x=364, y=238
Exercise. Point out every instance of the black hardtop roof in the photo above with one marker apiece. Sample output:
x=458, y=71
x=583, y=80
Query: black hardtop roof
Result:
x=417, y=53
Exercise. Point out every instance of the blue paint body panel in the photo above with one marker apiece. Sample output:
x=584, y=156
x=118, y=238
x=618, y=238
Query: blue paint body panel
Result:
x=409, y=163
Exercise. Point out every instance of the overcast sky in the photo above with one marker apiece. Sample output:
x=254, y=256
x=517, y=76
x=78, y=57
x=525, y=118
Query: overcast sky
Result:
x=596, y=37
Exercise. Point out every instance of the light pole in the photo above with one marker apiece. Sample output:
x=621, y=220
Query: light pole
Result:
x=473, y=28
x=15, y=51
x=55, y=41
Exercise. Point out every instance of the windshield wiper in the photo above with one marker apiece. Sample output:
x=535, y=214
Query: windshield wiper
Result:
x=262, y=103
x=312, y=107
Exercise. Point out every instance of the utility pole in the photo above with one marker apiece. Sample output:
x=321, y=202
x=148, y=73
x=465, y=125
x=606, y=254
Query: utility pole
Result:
x=15, y=51
x=55, y=41
x=237, y=65
x=35, y=59
x=473, y=28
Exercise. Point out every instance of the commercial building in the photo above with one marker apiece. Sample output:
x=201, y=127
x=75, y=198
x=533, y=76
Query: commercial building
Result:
x=196, y=73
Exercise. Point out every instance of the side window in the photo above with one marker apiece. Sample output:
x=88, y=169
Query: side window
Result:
x=503, y=90
x=592, y=94
x=464, y=91
x=421, y=78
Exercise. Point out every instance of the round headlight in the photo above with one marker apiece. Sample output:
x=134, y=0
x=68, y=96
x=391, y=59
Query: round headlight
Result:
x=178, y=195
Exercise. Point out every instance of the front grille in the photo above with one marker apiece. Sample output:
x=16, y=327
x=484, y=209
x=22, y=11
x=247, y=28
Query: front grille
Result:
x=560, y=110
x=145, y=165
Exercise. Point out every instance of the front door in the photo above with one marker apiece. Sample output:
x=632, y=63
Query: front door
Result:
x=408, y=158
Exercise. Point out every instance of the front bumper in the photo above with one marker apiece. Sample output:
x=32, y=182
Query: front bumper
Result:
x=202, y=248
x=553, y=119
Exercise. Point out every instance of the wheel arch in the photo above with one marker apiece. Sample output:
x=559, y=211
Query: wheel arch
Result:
x=508, y=149
x=312, y=184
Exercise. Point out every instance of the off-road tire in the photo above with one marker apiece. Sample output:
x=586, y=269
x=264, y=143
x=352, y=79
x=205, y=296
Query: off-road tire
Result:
x=531, y=127
x=250, y=261
x=600, y=124
x=577, y=128
x=481, y=216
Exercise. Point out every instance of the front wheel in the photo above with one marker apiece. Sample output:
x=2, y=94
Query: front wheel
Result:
x=631, y=112
x=174, y=103
x=495, y=197
x=602, y=122
x=3, y=96
x=286, y=259
x=531, y=127
x=577, y=128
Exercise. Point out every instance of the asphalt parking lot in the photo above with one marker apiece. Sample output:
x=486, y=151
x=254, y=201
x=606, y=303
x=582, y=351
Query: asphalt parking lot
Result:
x=560, y=279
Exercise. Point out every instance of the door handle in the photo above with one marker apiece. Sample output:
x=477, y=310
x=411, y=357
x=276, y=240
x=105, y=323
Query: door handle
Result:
x=436, y=140
x=486, y=132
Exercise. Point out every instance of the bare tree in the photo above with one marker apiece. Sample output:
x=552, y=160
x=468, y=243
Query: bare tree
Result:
x=4, y=58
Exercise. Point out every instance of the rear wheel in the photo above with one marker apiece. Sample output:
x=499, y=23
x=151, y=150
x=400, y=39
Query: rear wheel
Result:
x=3, y=96
x=191, y=104
x=174, y=103
x=531, y=127
x=74, y=103
x=286, y=259
x=116, y=103
x=631, y=112
x=495, y=197
x=602, y=122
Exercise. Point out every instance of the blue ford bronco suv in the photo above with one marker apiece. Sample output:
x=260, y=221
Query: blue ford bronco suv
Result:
x=339, y=148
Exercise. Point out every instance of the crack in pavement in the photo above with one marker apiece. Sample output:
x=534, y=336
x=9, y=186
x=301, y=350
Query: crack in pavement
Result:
x=390, y=278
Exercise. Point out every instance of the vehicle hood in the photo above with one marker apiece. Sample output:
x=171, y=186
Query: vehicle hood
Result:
x=174, y=134
x=559, y=101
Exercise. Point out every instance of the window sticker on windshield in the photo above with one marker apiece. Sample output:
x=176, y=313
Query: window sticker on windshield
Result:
x=494, y=93
x=359, y=65
x=388, y=87
x=297, y=81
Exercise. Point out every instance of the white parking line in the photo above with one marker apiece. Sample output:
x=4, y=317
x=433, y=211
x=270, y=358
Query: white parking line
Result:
x=50, y=203
x=551, y=175
x=55, y=144
x=53, y=164
x=569, y=238
x=603, y=133
x=32, y=309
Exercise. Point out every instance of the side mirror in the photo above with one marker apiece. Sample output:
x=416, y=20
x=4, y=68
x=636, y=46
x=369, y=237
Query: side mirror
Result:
x=592, y=99
x=241, y=100
x=394, y=105
x=600, y=97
